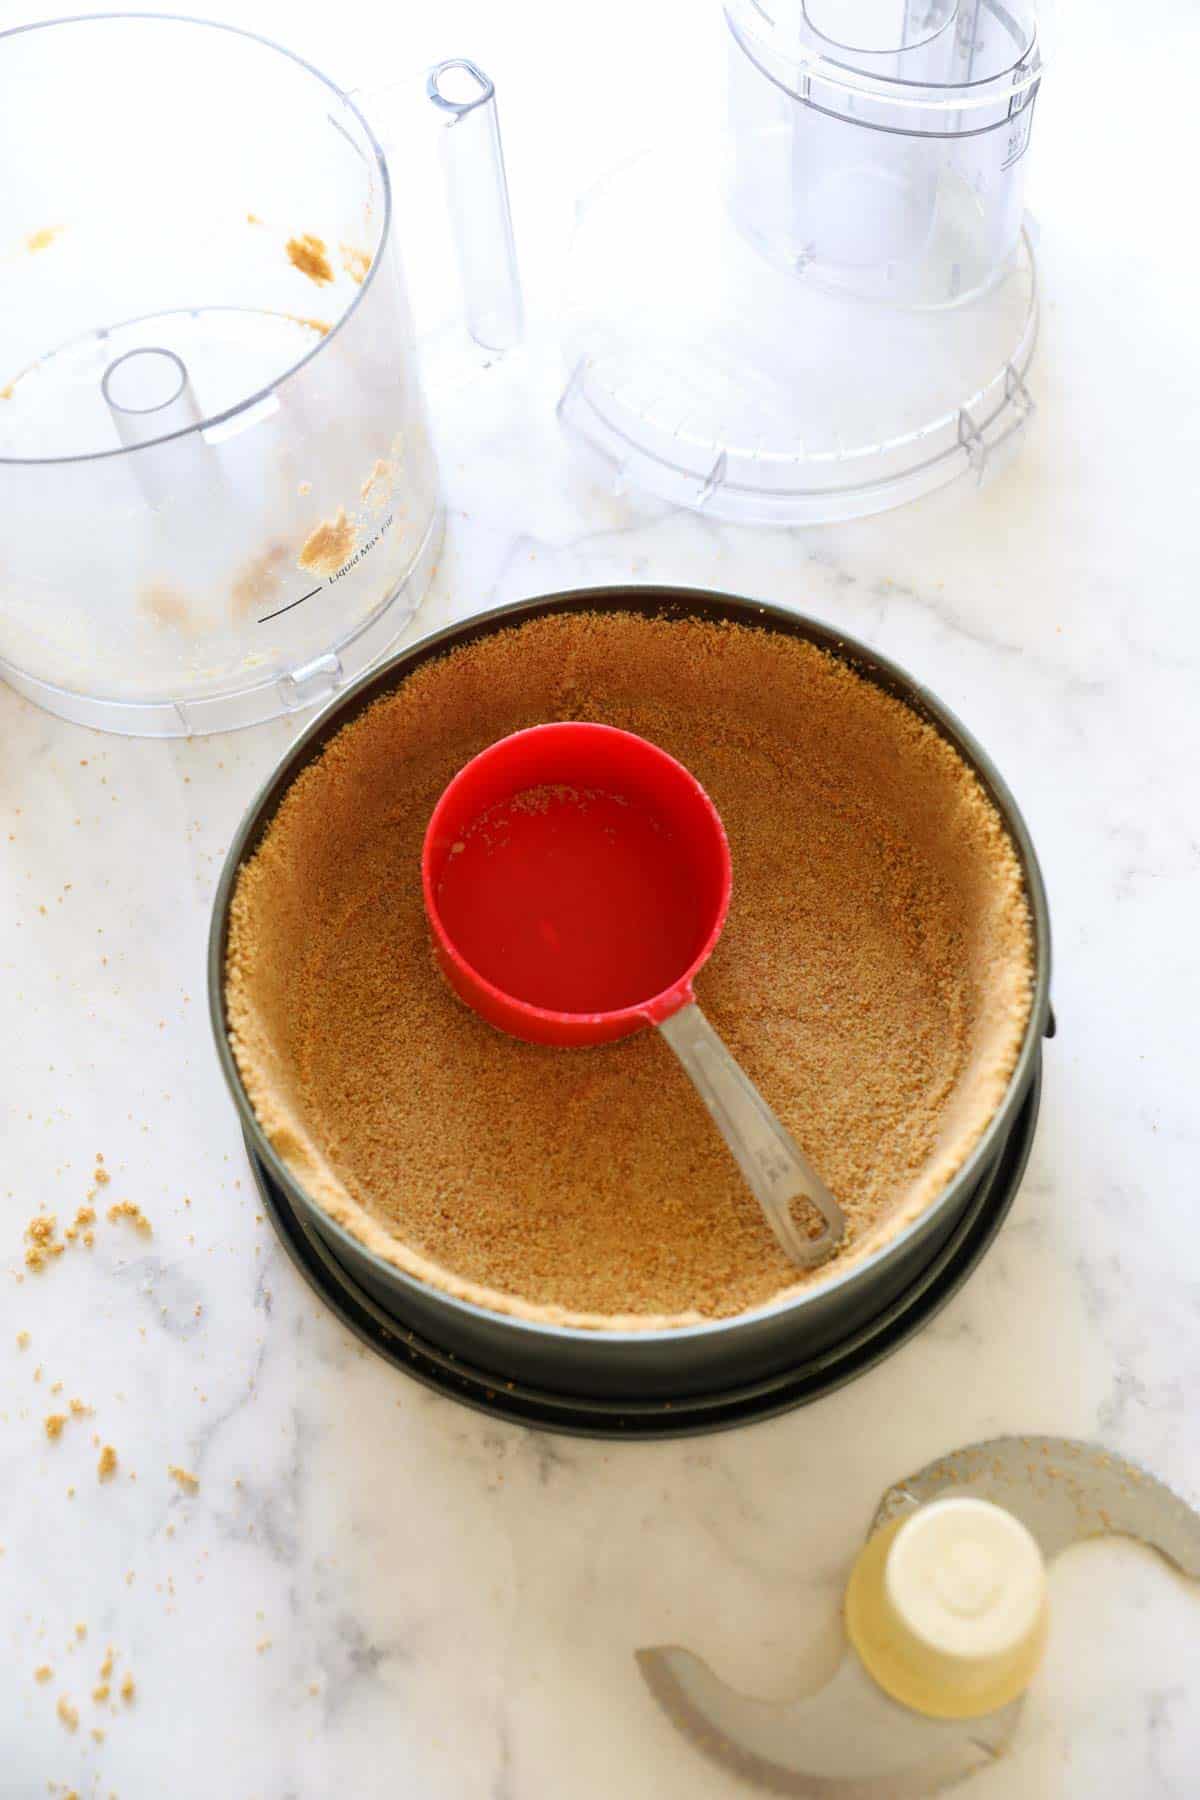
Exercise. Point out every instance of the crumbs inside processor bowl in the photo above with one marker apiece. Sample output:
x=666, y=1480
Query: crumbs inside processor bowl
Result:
x=211, y=425
x=882, y=977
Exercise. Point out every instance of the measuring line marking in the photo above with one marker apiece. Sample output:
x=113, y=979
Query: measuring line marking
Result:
x=289, y=606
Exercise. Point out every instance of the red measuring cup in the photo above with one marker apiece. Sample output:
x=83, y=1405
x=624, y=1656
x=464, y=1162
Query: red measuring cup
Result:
x=576, y=879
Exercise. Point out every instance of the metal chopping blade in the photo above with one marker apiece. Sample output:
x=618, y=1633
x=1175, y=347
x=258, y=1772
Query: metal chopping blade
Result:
x=847, y=1740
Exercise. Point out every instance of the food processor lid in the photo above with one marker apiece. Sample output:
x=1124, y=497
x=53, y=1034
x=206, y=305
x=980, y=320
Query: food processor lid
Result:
x=716, y=379
x=923, y=67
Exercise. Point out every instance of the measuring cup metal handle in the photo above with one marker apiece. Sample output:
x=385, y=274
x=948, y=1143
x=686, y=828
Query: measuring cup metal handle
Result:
x=775, y=1167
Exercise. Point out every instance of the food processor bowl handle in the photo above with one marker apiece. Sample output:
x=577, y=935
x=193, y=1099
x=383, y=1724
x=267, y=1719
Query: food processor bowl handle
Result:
x=478, y=194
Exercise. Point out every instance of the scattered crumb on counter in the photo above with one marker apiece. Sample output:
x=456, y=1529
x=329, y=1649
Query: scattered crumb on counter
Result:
x=42, y=1245
x=128, y=1690
x=100, y=1692
x=42, y=240
x=189, y=1482
x=67, y=1713
x=107, y=1464
x=83, y=1217
x=101, y=1176
x=23, y=1340
x=80, y=1410
x=129, y=1209
x=106, y=1667
x=43, y=1673
x=54, y=1424
x=81, y=1630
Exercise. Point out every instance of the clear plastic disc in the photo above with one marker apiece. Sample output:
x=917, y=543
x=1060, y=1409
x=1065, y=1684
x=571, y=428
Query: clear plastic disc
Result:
x=713, y=377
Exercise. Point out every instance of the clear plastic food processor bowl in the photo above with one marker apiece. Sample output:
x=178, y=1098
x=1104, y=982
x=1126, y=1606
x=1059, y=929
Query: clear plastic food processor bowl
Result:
x=881, y=143
x=219, y=496
x=831, y=308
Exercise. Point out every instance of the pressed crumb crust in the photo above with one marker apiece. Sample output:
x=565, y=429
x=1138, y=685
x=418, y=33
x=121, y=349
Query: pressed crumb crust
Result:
x=874, y=978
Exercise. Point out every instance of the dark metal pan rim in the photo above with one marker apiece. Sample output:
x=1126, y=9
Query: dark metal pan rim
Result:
x=746, y=1403
x=651, y=600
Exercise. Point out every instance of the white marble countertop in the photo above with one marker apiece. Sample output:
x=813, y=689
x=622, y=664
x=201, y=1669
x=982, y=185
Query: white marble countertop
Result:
x=374, y=1591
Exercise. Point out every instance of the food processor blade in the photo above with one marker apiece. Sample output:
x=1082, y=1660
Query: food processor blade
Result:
x=1065, y=1490
x=847, y=1740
